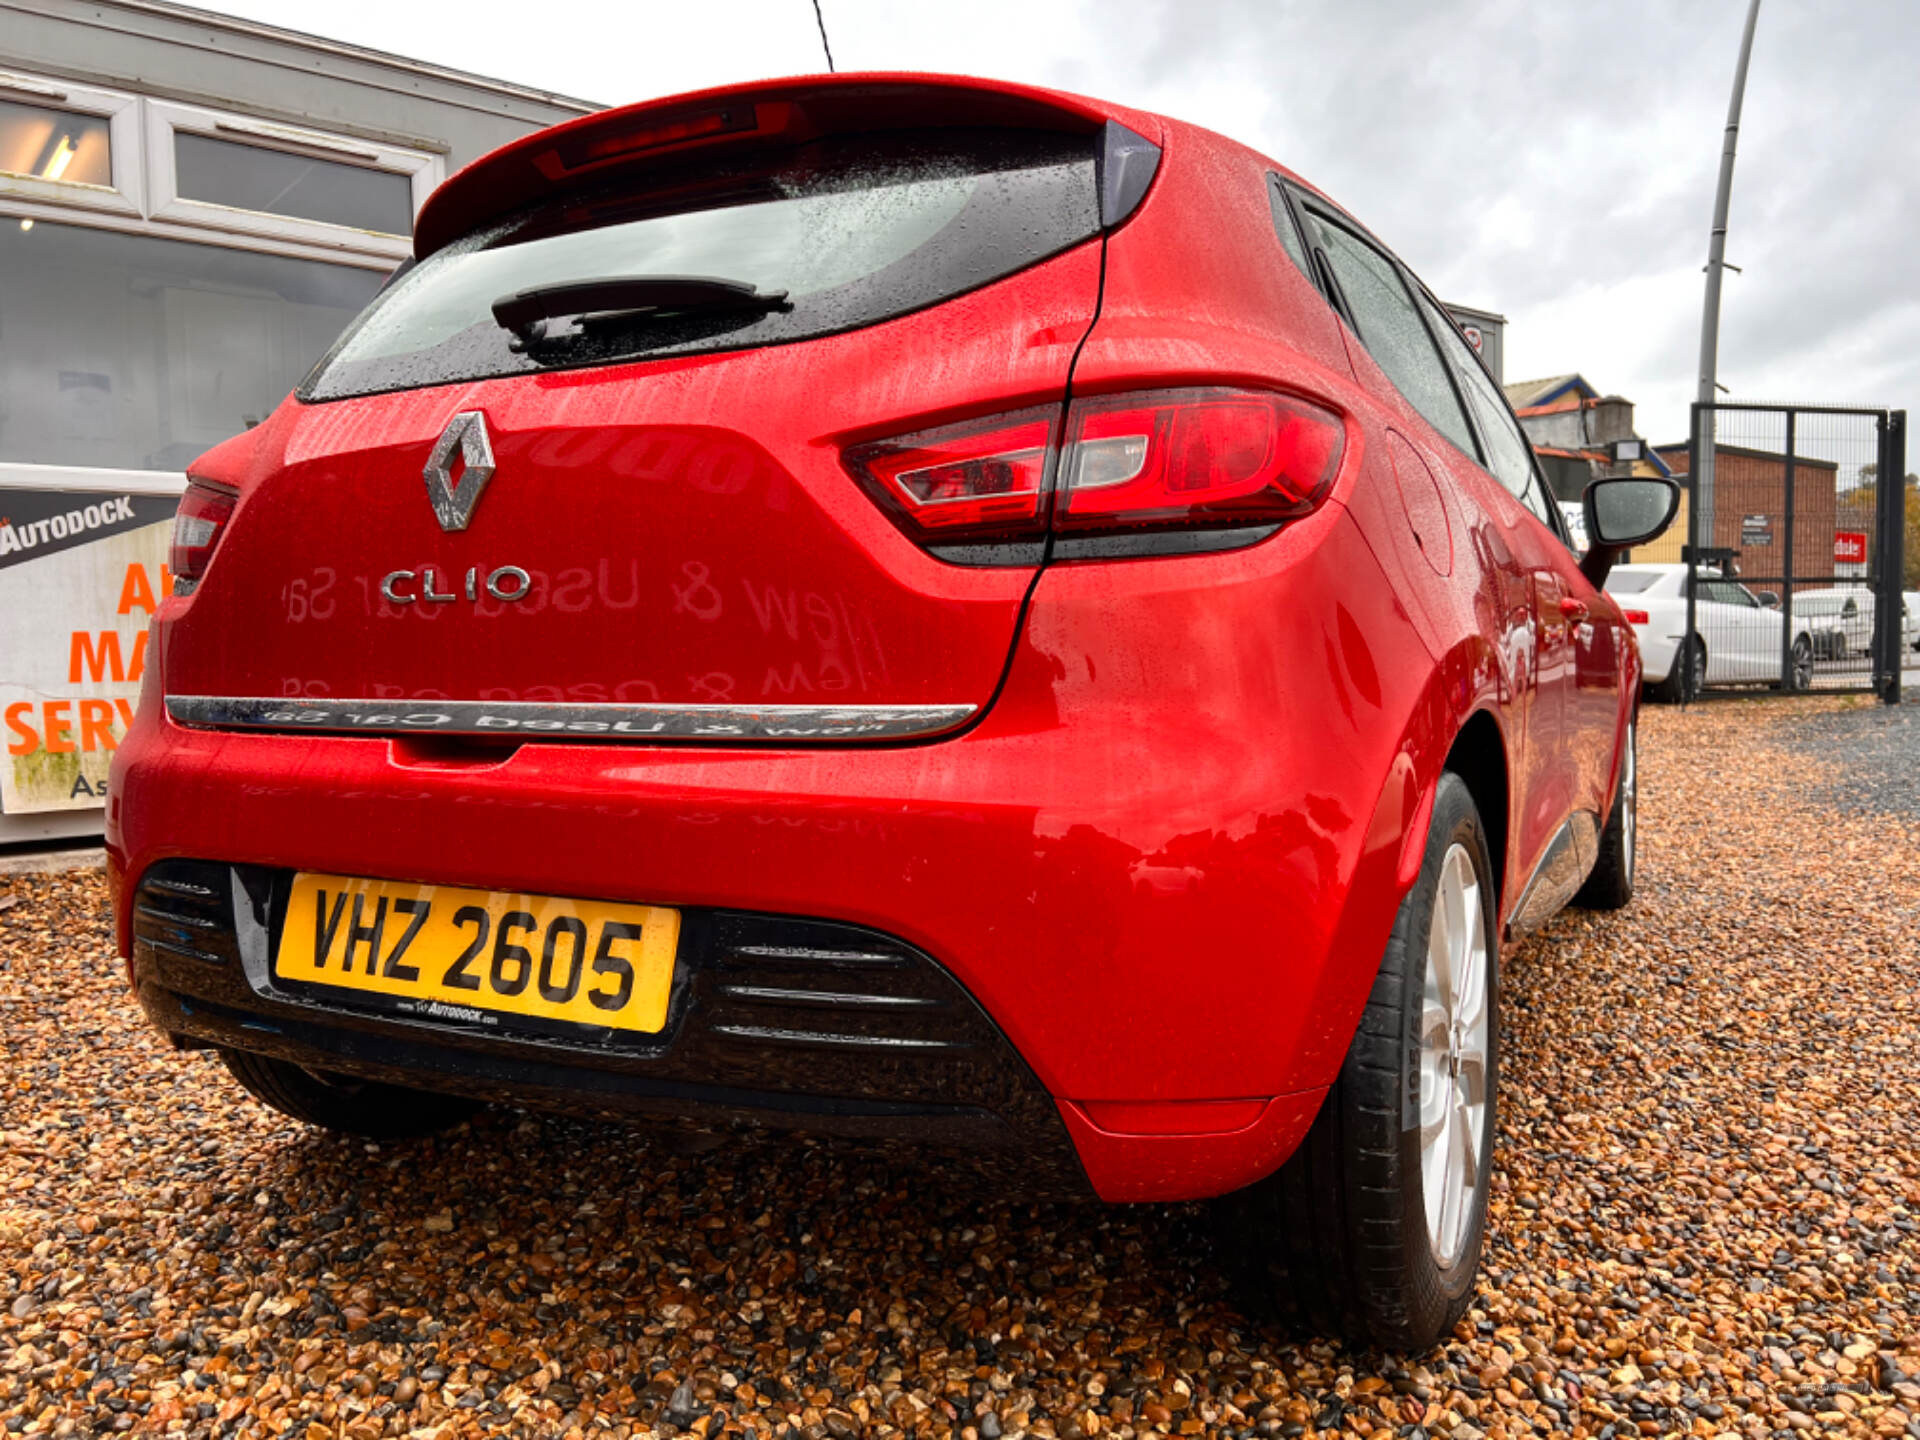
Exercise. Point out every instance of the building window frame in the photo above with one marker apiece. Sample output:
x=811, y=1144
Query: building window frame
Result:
x=126, y=195
x=144, y=197
x=166, y=119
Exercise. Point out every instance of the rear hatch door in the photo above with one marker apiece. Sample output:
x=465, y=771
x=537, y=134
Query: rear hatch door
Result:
x=598, y=496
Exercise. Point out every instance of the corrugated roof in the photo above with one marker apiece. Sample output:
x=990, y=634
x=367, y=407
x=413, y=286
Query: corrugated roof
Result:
x=1523, y=393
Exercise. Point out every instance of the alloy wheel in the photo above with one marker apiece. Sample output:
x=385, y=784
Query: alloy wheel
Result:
x=1629, y=799
x=1453, y=1056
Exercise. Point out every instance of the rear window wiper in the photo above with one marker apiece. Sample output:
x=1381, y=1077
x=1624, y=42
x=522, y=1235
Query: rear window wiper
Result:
x=628, y=297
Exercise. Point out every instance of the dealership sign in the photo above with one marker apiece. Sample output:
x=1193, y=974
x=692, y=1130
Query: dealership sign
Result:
x=1849, y=547
x=81, y=572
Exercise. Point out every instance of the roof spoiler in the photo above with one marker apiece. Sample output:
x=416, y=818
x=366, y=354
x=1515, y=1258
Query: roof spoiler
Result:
x=781, y=112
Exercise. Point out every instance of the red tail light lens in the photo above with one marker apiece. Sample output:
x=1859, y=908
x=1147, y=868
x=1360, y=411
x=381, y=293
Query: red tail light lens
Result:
x=1637, y=617
x=1182, y=459
x=983, y=481
x=1141, y=464
x=203, y=514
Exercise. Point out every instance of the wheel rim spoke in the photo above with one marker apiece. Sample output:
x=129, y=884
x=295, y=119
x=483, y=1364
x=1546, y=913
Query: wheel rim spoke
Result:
x=1453, y=1055
x=1630, y=801
x=1440, y=954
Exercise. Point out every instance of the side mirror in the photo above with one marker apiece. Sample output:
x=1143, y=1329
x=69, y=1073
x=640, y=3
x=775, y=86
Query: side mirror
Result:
x=1770, y=599
x=1621, y=513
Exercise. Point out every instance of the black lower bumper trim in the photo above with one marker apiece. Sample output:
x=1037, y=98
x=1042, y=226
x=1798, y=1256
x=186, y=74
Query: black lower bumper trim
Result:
x=775, y=1023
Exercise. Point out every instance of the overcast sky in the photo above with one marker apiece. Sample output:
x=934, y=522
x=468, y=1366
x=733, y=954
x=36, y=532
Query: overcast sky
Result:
x=1549, y=161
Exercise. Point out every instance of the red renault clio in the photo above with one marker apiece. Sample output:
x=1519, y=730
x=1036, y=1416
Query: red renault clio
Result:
x=896, y=606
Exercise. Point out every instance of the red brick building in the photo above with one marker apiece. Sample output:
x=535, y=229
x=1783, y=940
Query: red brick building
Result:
x=1750, y=509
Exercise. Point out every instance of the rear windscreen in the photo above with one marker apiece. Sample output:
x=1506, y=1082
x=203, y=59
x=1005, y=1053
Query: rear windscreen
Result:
x=1631, y=582
x=853, y=230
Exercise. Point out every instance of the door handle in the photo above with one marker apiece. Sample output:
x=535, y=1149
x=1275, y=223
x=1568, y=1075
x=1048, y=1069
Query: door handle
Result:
x=1572, y=609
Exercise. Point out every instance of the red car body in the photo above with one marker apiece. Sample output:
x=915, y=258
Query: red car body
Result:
x=1162, y=850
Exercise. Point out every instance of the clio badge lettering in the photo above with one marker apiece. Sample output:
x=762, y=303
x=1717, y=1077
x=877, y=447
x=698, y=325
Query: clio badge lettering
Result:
x=404, y=587
x=464, y=445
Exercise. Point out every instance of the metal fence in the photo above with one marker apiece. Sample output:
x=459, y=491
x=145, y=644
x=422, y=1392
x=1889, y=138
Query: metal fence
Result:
x=1794, y=553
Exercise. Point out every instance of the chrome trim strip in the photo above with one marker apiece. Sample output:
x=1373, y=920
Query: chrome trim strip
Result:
x=1562, y=869
x=186, y=952
x=642, y=723
x=780, y=995
x=823, y=1037
x=807, y=952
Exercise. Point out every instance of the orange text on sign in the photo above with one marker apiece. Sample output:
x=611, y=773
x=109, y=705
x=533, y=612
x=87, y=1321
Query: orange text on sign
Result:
x=65, y=725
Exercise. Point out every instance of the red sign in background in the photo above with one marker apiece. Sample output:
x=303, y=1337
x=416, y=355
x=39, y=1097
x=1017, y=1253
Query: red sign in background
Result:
x=1849, y=547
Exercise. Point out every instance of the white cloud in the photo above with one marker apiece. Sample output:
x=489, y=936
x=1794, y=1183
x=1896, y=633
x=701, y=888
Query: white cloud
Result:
x=1552, y=162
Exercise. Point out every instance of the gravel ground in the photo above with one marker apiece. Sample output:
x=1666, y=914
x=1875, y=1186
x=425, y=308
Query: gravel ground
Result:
x=1704, y=1219
x=1869, y=756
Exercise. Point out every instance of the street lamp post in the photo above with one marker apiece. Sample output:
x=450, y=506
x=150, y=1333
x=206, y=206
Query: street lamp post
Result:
x=1710, y=313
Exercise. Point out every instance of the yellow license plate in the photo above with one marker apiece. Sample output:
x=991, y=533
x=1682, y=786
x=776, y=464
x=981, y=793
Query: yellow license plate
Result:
x=438, y=952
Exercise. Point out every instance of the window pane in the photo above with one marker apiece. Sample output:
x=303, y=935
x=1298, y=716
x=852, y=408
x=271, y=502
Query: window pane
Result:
x=1630, y=582
x=1391, y=328
x=853, y=231
x=274, y=182
x=1509, y=457
x=130, y=352
x=50, y=144
x=1283, y=224
x=1543, y=505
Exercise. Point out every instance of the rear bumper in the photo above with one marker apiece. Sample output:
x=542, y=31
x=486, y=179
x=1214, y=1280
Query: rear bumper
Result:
x=1168, y=906
x=774, y=1024
x=1656, y=652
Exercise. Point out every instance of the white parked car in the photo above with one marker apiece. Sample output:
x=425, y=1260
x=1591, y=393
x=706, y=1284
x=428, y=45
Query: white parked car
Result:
x=1847, y=611
x=1737, y=637
x=1841, y=621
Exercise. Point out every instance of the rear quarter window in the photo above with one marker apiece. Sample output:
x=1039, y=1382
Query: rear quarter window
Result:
x=1630, y=582
x=855, y=231
x=1392, y=330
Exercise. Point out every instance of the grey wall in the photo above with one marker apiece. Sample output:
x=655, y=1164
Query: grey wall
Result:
x=201, y=58
x=1493, y=330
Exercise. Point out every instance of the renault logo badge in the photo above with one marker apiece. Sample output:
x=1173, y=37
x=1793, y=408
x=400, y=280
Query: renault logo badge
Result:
x=465, y=437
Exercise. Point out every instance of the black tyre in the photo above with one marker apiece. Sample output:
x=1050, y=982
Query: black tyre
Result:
x=1800, y=664
x=1610, y=884
x=336, y=1102
x=1373, y=1228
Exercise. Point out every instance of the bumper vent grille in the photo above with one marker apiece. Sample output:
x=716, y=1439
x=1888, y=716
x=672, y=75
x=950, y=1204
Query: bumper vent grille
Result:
x=182, y=909
x=829, y=986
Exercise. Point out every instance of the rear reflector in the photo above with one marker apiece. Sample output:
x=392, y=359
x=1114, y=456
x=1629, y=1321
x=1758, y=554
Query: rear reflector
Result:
x=1637, y=617
x=204, y=511
x=1139, y=464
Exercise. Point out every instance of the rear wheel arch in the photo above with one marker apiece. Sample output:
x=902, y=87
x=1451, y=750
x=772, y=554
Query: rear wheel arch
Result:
x=1478, y=756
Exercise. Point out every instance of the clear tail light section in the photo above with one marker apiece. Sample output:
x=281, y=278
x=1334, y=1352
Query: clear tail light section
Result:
x=204, y=511
x=987, y=481
x=1140, y=472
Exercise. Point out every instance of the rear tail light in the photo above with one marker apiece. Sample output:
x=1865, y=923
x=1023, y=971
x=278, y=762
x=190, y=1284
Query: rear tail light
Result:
x=1162, y=463
x=203, y=514
x=1195, y=459
x=982, y=482
x=1637, y=617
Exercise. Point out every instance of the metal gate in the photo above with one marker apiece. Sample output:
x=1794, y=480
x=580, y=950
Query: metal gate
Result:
x=1795, y=551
